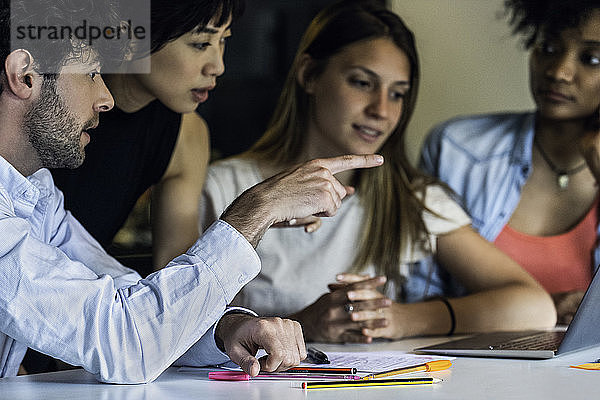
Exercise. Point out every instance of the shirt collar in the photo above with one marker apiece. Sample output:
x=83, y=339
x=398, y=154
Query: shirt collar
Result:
x=25, y=192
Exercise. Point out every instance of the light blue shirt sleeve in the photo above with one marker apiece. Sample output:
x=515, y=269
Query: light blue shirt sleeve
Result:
x=205, y=351
x=62, y=295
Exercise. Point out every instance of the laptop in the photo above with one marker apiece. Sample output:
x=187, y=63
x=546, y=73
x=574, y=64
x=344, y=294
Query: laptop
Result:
x=583, y=332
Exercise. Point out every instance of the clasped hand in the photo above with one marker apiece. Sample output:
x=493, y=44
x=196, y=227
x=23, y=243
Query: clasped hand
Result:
x=351, y=309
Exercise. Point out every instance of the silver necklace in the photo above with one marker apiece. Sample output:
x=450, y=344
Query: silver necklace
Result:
x=562, y=175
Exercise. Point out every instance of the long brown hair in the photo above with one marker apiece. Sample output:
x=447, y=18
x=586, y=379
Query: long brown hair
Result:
x=390, y=193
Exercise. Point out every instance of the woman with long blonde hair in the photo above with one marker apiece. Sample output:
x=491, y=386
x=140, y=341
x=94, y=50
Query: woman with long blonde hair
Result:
x=351, y=90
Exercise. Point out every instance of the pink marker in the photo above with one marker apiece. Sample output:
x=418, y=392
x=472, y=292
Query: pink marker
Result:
x=242, y=376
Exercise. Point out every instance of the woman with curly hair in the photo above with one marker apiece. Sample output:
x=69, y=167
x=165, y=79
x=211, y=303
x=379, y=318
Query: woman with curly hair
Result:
x=530, y=180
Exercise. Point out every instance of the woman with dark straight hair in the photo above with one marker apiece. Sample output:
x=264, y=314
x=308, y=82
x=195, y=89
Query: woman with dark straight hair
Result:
x=152, y=136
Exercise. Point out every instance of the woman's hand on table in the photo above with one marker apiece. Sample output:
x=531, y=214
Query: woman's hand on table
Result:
x=566, y=304
x=389, y=330
x=333, y=317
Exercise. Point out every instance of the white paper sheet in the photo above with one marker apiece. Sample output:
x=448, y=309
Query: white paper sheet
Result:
x=364, y=361
x=376, y=361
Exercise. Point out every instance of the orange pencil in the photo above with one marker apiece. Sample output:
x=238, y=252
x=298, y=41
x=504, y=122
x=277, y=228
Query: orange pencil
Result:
x=427, y=367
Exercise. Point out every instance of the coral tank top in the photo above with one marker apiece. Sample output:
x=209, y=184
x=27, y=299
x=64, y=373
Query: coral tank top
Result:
x=560, y=263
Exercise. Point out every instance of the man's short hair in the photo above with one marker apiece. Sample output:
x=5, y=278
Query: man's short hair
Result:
x=51, y=53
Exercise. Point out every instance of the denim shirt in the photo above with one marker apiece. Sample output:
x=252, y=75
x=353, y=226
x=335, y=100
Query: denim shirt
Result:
x=486, y=160
x=63, y=295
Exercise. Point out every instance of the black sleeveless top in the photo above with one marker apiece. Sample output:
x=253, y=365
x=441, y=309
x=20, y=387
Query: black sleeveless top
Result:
x=128, y=153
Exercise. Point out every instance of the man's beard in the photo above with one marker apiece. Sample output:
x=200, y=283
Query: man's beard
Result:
x=53, y=131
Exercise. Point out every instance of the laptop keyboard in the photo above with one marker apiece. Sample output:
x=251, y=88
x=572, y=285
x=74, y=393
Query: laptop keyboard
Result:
x=539, y=341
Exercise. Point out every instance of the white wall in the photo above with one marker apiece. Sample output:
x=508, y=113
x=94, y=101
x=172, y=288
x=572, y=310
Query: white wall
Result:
x=470, y=62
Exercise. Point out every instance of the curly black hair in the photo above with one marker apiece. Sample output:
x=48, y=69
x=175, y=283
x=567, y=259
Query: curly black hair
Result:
x=533, y=18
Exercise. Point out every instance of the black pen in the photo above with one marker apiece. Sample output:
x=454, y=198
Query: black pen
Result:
x=317, y=356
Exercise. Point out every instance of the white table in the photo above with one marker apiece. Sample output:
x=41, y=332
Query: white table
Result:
x=468, y=378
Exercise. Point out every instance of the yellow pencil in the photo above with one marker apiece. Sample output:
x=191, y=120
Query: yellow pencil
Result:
x=359, y=383
x=427, y=367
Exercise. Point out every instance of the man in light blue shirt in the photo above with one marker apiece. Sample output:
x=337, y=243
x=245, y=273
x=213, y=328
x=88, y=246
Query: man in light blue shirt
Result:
x=63, y=295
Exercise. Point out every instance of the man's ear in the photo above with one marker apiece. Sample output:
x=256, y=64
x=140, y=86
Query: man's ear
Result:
x=19, y=72
x=304, y=75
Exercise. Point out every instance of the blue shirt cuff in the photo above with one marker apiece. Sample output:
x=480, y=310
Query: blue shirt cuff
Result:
x=205, y=351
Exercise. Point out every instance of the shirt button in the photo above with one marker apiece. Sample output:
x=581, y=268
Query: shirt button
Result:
x=242, y=278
